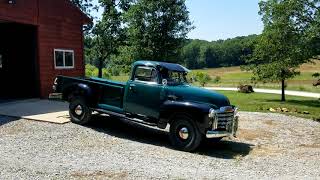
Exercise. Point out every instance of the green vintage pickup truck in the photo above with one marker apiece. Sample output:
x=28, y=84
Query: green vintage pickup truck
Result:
x=157, y=94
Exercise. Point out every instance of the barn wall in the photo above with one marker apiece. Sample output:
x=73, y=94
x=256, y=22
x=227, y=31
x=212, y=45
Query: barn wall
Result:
x=25, y=11
x=59, y=28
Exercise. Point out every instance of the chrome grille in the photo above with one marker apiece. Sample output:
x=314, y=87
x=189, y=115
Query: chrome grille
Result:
x=225, y=120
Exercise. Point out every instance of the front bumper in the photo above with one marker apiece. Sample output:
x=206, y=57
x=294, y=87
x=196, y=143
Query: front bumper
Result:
x=231, y=130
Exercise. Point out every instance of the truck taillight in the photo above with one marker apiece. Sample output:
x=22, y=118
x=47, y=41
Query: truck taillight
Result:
x=55, y=81
x=55, y=84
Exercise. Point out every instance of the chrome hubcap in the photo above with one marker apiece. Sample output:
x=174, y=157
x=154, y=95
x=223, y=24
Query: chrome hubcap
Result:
x=78, y=110
x=184, y=133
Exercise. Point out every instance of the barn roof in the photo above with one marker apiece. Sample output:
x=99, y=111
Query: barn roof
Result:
x=85, y=18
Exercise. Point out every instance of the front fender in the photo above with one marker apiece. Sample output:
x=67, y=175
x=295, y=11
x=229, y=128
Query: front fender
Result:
x=198, y=112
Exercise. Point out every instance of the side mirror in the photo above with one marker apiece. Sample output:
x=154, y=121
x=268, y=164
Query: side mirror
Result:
x=164, y=82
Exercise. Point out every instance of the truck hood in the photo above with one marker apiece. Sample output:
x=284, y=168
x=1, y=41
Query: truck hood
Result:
x=200, y=95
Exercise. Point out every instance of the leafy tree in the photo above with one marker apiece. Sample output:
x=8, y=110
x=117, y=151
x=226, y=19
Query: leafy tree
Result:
x=203, y=78
x=209, y=56
x=108, y=32
x=89, y=51
x=85, y=5
x=191, y=55
x=285, y=42
x=157, y=28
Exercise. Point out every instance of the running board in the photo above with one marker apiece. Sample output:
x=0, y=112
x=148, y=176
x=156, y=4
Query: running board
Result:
x=124, y=117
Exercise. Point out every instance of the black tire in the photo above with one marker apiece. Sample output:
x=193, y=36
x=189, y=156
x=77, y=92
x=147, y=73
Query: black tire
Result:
x=77, y=117
x=214, y=140
x=192, y=141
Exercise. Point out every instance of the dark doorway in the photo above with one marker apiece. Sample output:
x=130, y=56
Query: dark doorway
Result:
x=18, y=61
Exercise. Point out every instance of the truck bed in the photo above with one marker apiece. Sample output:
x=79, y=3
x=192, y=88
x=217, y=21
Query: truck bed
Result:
x=106, y=93
x=100, y=80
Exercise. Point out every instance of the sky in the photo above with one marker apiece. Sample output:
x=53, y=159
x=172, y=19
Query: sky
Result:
x=222, y=19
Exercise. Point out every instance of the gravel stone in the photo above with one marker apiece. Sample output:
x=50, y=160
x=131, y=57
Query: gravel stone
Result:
x=268, y=146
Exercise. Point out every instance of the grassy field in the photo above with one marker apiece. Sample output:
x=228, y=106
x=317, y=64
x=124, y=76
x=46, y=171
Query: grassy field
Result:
x=259, y=102
x=233, y=76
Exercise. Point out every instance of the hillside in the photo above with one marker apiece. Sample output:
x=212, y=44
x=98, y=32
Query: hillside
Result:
x=233, y=76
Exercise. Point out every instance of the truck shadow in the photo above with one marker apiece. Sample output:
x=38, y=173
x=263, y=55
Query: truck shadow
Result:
x=143, y=134
x=6, y=119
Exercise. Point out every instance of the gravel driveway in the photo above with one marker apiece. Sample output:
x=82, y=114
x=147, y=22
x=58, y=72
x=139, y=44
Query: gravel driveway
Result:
x=268, y=146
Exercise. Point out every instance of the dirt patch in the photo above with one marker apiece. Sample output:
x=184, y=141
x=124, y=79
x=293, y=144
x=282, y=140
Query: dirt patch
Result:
x=310, y=145
x=270, y=123
x=250, y=135
x=265, y=151
x=100, y=175
x=311, y=67
x=13, y=130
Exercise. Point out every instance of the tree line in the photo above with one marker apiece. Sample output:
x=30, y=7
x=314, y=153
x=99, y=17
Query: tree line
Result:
x=132, y=30
x=194, y=54
x=137, y=29
x=198, y=54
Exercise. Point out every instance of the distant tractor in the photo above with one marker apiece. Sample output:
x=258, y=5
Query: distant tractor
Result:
x=245, y=89
x=317, y=83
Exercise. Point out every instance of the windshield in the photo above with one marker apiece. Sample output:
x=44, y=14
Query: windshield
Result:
x=174, y=77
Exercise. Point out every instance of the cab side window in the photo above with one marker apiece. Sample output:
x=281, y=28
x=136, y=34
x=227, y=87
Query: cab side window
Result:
x=146, y=74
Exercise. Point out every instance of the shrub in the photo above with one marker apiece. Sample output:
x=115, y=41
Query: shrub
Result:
x=217, y=79
x=202, y=78
x=106, y=74
x=91, y=71
x=316, y=75
x=191, y=77
x=302, y=88
x=115, y=71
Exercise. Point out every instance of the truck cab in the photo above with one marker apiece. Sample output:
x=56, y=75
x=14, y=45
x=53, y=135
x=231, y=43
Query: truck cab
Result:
x=157, y=94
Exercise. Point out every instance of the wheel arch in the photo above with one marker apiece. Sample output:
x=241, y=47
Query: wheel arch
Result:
x=196, y=111
x=78, y=89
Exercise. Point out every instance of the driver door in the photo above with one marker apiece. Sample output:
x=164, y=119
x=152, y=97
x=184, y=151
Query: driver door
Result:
x=144, y=91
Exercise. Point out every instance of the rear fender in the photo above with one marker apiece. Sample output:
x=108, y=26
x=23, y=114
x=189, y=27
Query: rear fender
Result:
x=78, y=89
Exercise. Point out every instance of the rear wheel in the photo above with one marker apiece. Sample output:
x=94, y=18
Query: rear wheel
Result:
x=79, y=112
x=184, y=134
x=214, y=140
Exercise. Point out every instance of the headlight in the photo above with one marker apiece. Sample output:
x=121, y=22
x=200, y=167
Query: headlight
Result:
x=212, y=113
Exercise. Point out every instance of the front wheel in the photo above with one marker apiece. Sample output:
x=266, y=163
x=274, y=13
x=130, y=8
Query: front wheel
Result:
x=79, y=112
x=184, y=134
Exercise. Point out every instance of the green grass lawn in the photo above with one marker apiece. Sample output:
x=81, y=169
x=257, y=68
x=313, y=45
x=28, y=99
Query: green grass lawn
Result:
x=122, y=78
x=233, y=76
x=259, y=102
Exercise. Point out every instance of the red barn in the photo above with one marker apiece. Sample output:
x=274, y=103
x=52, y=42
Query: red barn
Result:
x=39, y=39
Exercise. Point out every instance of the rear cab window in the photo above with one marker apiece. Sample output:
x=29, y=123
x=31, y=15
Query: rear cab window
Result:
x=146, y=74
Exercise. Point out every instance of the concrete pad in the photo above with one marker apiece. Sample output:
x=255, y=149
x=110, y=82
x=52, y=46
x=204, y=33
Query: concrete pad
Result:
x=36, y=109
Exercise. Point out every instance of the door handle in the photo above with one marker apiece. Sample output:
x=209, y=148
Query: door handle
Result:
x=131, y=87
